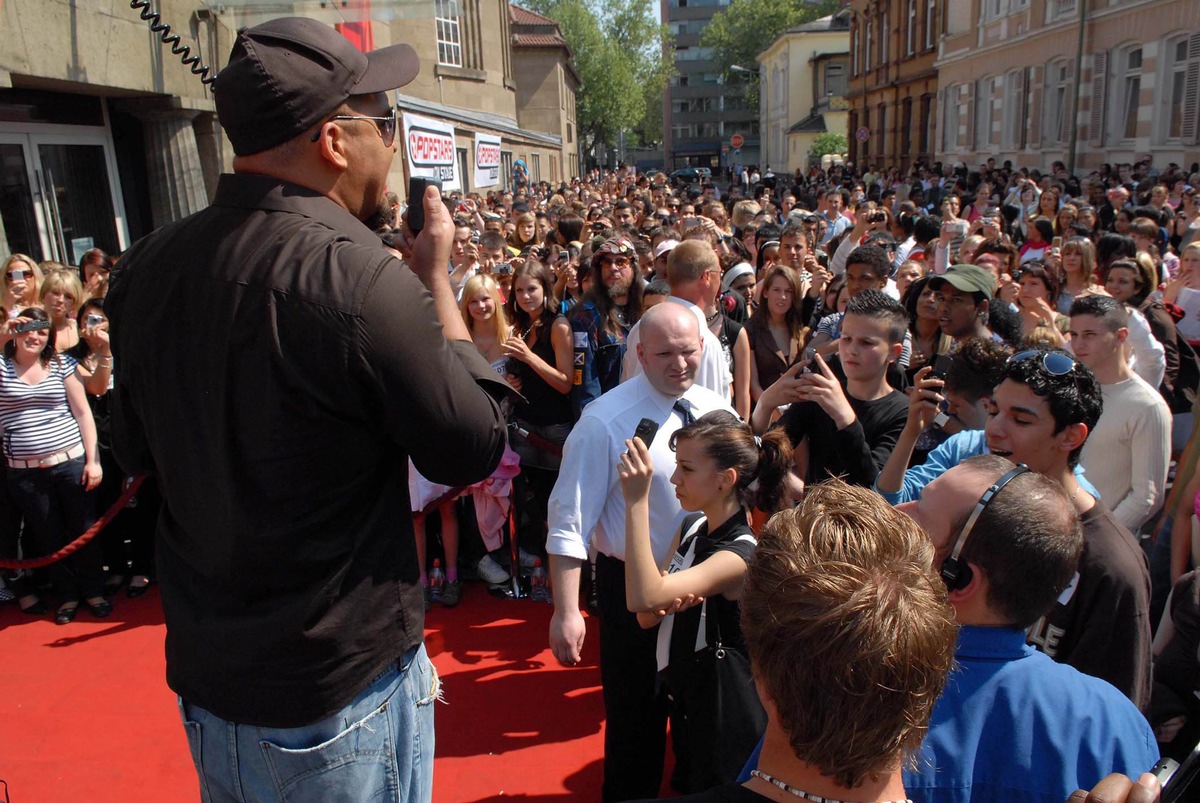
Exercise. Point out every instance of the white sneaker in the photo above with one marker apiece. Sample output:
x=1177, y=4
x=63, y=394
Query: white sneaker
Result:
x=490, y=571
x=526, y=560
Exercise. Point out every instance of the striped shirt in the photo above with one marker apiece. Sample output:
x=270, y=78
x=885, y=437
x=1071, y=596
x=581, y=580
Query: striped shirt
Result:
x=36, y=418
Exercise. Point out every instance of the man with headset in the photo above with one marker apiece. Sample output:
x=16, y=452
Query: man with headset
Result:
x=1013, y=723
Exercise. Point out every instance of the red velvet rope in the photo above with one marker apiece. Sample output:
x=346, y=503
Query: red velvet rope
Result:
x=80, y=542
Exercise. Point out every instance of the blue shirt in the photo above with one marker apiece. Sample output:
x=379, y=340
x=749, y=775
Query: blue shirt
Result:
x=1014, y=725
x=955, y=449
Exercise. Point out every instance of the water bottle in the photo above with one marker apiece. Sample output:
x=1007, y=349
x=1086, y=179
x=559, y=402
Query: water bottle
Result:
x=437, y=579
x=539, y=590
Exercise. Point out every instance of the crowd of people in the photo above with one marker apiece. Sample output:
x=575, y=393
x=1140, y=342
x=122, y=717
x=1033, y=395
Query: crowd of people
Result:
x=882, y=484
x=882, y=329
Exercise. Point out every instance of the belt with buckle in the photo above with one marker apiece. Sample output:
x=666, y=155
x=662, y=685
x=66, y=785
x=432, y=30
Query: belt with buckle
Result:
x=46, y=461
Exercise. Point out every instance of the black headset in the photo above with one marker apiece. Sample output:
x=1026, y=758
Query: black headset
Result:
x=957, y=573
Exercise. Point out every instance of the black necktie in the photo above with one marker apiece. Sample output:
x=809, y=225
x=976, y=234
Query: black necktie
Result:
x=685, y=412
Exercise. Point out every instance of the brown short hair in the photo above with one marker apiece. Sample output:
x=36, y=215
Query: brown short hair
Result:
x=1028, y=541
x=848, y=629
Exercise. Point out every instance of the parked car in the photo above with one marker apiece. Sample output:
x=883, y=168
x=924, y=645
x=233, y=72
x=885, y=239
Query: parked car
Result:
x=691, y=175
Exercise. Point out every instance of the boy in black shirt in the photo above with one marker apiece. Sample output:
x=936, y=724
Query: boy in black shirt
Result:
x=848, y=431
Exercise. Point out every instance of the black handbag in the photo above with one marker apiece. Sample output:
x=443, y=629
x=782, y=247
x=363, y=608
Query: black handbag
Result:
x=725, y=719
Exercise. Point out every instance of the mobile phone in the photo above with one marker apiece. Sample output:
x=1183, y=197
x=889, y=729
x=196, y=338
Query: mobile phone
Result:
x=647, y=428
x=31, y=326
x=475, y=237
x=878, y=217
x=810, y=357
x=17, y=275
x=416, y=201
x=502, y=269
x=1176, y=778
x=94, y=320
x=941, y=367
x=1056, y=242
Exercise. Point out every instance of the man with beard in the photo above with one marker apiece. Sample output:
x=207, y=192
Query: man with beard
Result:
x=602, y=320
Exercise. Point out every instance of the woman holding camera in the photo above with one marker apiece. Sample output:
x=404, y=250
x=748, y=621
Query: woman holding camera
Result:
x=52, y=456
x=22, y=283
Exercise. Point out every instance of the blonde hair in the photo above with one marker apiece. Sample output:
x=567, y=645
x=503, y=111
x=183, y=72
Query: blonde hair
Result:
x=744, y=212
x=482, y=282
x=61, y=279
x=1083, y=247
x=525, y=217
x=32, y=287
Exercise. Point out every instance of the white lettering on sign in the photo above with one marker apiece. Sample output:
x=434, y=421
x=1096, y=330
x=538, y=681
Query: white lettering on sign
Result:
x=487, y=155
x=430, y=148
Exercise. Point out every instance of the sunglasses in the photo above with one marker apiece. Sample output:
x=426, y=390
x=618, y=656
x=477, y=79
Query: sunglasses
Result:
x=17, y=275
x=1054, y=363
x=385, y=125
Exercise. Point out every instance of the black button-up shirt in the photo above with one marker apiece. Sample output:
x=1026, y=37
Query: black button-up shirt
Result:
x=277, y=369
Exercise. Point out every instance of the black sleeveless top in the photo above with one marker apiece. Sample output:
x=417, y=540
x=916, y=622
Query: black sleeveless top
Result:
x=546, y=405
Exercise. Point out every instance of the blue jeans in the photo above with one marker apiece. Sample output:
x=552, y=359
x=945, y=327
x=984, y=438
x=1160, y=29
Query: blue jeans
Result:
x=378, y=748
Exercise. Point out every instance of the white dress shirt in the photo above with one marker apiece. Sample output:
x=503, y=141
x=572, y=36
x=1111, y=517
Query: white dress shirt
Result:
x=714, y=370
x=587, y=502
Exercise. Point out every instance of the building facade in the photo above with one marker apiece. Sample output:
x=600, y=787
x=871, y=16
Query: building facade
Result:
x=547, y=85
x=701, y=113
x=1017, y=81
x=893, y=81
x=805, y=77
x=105, y=136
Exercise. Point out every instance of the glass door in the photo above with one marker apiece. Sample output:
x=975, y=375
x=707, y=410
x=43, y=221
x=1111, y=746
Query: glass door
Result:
x=58, y=196
x=20, y=222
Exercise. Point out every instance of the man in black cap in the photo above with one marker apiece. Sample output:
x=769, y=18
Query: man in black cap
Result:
x=278, y=370
x=963, y=294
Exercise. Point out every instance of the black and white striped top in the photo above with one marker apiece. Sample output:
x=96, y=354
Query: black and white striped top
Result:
x=36, y=418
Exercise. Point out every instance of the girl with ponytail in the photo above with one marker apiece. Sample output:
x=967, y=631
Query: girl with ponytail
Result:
x=721, y=473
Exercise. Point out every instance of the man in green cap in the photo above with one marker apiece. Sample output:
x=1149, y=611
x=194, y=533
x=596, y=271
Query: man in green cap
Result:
x=963, y=294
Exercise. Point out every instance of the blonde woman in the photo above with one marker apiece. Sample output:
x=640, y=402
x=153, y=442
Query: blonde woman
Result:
x=22, y=283
x=60, y=296
x=525, y=233
x=482, y=311
x=1079, y=273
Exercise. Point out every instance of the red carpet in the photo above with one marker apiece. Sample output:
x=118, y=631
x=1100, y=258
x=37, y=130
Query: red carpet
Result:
x=85, y=713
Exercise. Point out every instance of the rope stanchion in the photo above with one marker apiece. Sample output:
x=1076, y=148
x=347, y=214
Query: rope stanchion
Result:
x=80, y=542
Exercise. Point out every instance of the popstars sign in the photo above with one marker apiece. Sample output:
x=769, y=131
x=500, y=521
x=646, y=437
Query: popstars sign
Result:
x=487, y=160
x=429, y=149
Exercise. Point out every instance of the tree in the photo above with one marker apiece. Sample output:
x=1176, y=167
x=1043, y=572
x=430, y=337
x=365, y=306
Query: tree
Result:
x=829, y=142
x=619, y=52
x=748, y=27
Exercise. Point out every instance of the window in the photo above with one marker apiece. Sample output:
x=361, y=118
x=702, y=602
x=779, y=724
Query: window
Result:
x=906, y=125
x=856, y=48
x=985, y=110
x=910, y=30
x=882, y=132
x=867, y=49
x=1062, y=8
x=926, y=134
x=993, y=8
x=683, y=131
x=1181, y=90
x=1127, y=89
x=835, y=79
x=1057, y=102
x=951, y=119
x=930, y=22
x=449, y=42
x=1013, y=109
x=884, y=36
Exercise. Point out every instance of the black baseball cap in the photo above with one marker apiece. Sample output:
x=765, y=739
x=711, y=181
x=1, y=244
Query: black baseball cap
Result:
x=286, y=75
